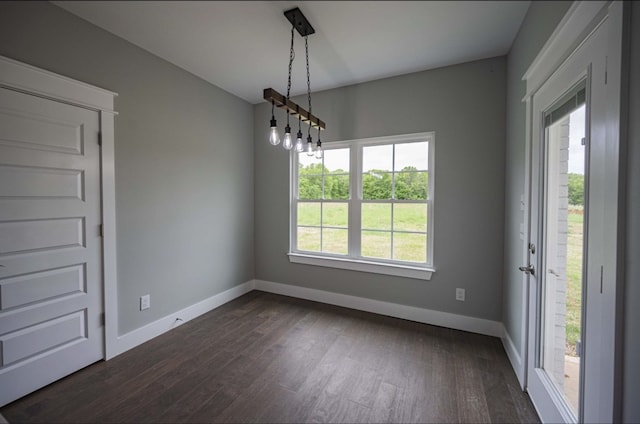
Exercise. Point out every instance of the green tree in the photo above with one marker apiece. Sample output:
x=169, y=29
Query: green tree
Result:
x=411, y=185
x=310, y=181
x=311, y=178
x=376, y=184
x=576, y=189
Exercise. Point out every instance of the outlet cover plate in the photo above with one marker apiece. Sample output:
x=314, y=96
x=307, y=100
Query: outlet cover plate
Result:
x=460, y=295
x=145, y=302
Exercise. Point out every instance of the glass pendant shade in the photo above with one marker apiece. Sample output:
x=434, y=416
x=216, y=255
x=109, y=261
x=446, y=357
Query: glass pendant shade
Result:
x=319, y=150
x=274, y=137
x=288, y=142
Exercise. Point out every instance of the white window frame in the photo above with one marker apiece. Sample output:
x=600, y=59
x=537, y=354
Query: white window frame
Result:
x=354, y=261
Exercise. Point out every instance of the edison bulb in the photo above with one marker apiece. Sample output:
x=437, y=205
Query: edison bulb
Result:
x=288, y=142
x=274, y=137
x=299, y=145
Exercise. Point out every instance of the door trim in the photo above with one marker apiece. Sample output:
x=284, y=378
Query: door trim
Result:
x=582, y=18
x=28, y=79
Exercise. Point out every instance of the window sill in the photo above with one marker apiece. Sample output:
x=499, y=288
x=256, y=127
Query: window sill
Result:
x=363, y=266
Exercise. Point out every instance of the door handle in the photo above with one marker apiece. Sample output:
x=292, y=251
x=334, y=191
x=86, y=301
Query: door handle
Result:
x=529, y=270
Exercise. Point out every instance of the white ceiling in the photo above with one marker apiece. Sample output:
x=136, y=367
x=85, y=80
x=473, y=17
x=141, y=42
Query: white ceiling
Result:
x=243, y=46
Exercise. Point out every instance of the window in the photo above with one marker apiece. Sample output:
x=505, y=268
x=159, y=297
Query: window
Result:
x=366, y=205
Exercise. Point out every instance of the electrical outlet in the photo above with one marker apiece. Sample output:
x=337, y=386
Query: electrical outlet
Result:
x=145, y=302
x=460, y=295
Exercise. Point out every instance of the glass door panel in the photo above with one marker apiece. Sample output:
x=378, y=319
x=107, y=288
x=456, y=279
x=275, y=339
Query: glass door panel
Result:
x=562, y=276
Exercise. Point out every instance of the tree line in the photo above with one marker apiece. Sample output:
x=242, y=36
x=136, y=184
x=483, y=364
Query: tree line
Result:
x=376, y=184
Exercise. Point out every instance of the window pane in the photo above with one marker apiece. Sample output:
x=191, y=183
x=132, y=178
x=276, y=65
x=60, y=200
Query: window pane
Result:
x=309, y=214
x=376, y=185
x=376, y=216
x=377, y=158
x=335, y=241
x=309, y=239
x=335, y=215
x=336, y=160
x=411, y=185
x=410, y=217
x=306, y=162
x=412, y=156
x=336, y=187
x=310, y=187
x=410, y=247
x=376, y=244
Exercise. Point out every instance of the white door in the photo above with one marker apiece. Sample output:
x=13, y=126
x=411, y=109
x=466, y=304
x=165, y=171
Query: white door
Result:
x=567, y=349
x=51, y=294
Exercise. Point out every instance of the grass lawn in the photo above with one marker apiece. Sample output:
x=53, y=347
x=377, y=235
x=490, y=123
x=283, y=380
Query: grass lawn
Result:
x=377, y=231
x=574, y=279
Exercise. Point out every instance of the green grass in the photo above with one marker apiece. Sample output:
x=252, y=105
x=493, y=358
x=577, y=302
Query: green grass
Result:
x=574, y=279
x=375, y=244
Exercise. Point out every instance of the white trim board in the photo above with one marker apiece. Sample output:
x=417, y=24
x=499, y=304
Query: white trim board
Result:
x=412, y=313
x=572, y=30
x=514, y=357
x=156, y=328
x=23, y=77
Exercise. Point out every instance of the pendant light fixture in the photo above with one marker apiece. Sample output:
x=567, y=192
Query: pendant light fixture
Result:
x=304, y=28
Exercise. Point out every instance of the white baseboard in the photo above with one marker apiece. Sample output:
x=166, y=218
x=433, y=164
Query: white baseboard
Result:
x=412, y=313
x=154, y=329
x=514, y=356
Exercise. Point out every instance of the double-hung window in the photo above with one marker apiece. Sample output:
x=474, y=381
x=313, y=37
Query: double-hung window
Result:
x=366, y=205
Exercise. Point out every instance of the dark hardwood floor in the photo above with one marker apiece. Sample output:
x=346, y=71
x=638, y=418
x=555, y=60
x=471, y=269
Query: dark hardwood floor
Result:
x=270, y=358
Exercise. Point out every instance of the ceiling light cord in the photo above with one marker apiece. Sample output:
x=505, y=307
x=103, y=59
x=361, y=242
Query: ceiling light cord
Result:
x=306, y=49
x=292, y=55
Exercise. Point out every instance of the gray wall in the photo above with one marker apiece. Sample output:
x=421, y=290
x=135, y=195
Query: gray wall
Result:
x=465, y=106
x=540, y=21
x=184, y=161
x=631, y=367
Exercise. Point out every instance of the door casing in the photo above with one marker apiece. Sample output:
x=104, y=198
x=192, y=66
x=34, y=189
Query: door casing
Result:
x=579, y=22
x=28, y=79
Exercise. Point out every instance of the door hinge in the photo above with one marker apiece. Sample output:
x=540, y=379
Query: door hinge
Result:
x=99, y=138
x=101, y=230
x=102, y=319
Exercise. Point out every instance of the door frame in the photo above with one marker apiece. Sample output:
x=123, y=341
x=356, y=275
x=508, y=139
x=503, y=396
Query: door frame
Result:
x=18, y=76
x=578, y=23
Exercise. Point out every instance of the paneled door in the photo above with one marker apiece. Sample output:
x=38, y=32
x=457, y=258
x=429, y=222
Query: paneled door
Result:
x=51, y=290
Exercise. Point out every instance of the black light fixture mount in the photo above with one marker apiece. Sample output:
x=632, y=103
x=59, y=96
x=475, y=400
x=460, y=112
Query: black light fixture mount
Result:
x=299, y=22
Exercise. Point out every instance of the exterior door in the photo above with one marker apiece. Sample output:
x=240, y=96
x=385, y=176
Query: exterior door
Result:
x=51, y=290
x=565, y=377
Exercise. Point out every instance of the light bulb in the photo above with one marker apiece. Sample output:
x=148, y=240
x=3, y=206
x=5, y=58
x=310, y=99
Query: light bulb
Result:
x=299, y=145
x=319, y=151
x=309, y=146
x=287, y=143
x=274, y=137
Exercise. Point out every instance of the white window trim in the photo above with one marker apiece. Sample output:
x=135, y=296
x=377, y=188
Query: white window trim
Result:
x=357, y=263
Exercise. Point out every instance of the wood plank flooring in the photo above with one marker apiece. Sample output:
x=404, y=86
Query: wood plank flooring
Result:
x=271, y=358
